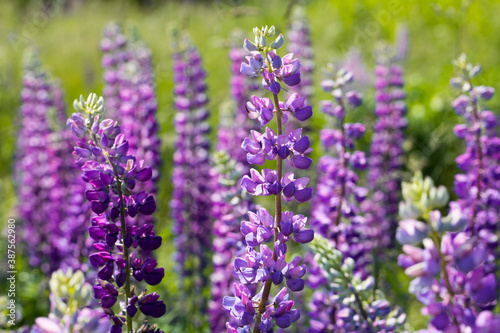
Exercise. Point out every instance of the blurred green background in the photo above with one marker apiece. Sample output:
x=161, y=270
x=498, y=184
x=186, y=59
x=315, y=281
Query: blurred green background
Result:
x=67, y=34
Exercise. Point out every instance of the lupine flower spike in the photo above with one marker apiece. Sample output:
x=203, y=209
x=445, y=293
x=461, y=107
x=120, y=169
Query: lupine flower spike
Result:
x=263, y=266
x=478, y=187
x=342, y=301
x=102, y=152
x=191, y=179
x=51, y=201
x=386, y=153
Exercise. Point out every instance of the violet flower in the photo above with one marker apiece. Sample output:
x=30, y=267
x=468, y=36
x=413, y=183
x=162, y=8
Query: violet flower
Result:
x=386, y=153
x=192, y=180
x=102, y=152
x=478, y=187
x=51, y=202
x=263, y=266
x=338, y=218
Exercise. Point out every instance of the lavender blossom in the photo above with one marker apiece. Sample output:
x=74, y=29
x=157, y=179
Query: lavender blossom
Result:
x=192, y=180
x=261, y=266
x=102, y=152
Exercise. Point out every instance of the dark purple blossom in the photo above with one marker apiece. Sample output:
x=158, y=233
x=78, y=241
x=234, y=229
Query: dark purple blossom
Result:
x=112, y=175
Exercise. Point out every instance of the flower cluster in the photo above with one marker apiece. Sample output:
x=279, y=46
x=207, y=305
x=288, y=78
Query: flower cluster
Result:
x=102, y=152
x=191, y=178
x=386, y=151
x=70, y=297
x=478, y=187
x=449, y=273
x=261, y=264
x=351, y=302
x=50, y=198
x=336, y=212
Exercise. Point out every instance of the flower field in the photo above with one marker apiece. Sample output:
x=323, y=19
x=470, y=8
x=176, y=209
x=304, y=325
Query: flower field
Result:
x=249, y=166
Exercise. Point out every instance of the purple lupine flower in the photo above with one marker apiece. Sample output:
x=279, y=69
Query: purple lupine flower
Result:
x=336, y=212
x=478, y=187
x=53, y=214
x=120, y=243
x=450, y=274
x=385, y=161
x=192, y=178
x=262, y=265
x=337, y=175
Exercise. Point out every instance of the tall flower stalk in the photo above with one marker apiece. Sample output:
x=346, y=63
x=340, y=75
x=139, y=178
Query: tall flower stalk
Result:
x=478, y=187
x=263, y=266
x=337, y=217
x=192, y=180
x=45, y=176
x=115, y=56
x=336, y=212
x=386, y=155
x=102, y=152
